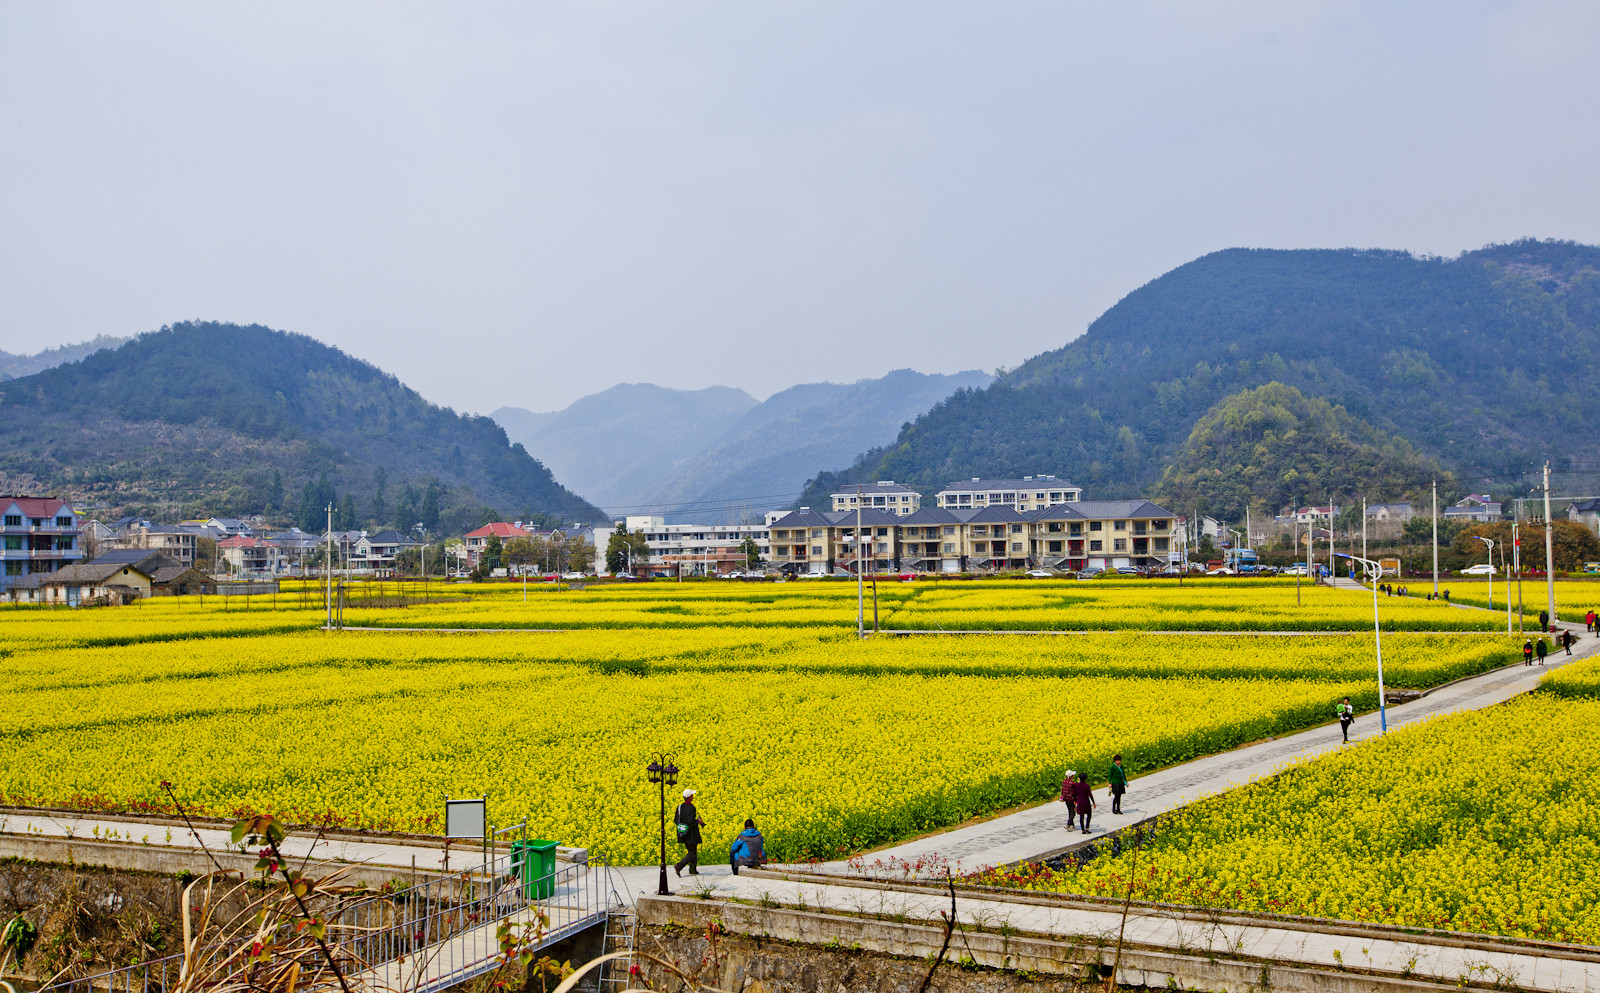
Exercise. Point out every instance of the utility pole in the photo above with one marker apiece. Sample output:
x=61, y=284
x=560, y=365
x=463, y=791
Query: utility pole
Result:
x=1363, y=527
x=861, y=593
x=1436, y=539
x=1332, y=569
x=1549, y=549
x=1516, y=566
x=327, y=572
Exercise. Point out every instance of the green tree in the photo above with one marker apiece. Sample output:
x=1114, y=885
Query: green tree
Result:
x=344, y=515
x=619, y=547
x=752, y=553
x=493, y=552
x=380, y=479
x=314, y=500
x=522, y=552
x=428, y=514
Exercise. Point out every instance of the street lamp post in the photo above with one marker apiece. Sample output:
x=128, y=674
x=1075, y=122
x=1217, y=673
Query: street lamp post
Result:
x=1490, y=543
x=661, y=771
x=1374, y=571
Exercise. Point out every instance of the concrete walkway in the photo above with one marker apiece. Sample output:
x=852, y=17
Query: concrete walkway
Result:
x=1047, y=829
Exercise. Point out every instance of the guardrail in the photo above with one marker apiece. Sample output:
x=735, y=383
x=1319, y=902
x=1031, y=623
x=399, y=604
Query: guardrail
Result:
x=420, y=939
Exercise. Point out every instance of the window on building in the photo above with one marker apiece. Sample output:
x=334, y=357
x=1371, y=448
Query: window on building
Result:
x=883, y=548
x=1055, y=498
x=63, y=522
x=949, y=549
x=816, y=549
x=1121, y=525
x=1016, y=546
x=1075, y=528
x=63, y=544
x=1097, y=525
x=949, y=529
x=14, y=544
x=883, y=532
x=1055, y=546
x=816, y=532
x=1095, y=544
x=982, y=529
x=1016, y=529
x=1038, y=496
x=38, y=522
x=13, y=568
x=1161, y=544
x=1138, y=527
x=13, y=520
x=1119, y=545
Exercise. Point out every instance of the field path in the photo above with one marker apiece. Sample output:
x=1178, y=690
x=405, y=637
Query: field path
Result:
x=1046, y=830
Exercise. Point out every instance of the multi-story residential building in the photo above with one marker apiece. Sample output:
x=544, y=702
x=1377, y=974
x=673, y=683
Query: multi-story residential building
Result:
x=477, y=541
x=1585, y=512
x=247, y=555
x=294, y=548
x=178, y=543
x=37, y=535
x=885, y=495
x=375, y=553
x=1025, y=494
x=1070, y=535
x=1474, y=507
x=691, y=549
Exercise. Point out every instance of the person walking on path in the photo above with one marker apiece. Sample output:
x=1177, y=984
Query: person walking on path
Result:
x=1567, y=638
x=1083, y=800
x=1347, y=716
x=1527, y=652
x=689, y=824
x=1544, y=620
x=1588, y=621
x=1543, y=649
x=749, y=849
x=1067, y=783
x=1119, y=783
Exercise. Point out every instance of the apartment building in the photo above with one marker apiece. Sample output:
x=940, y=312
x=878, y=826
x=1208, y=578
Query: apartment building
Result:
x=885, y=495
x=176, y=542
x=1026, y=494
x=690, y=549
x=1072, y=535
x=37, y=535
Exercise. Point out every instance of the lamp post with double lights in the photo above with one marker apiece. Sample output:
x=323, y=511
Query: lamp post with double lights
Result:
x=1374, y=572
x=661, y=771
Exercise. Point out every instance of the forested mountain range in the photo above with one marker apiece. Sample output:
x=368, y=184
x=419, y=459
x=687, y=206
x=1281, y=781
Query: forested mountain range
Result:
x=718, y=454
x=1483, y=361
x=231, y=420
x=14, y=366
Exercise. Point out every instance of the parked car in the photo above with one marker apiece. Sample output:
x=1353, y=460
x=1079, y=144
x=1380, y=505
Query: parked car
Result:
x=1041, y=574
x=1298, y=569
x=1128, y=570
x=1170, y=572
x=1481, y=569
x=1221, y=571
x=1089, y=573
x=573, y=575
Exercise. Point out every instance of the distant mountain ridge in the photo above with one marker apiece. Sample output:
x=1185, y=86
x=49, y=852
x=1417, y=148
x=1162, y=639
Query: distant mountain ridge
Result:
x=718, y=454
x=17, y=366
x=226, y=419
x=1483, y=360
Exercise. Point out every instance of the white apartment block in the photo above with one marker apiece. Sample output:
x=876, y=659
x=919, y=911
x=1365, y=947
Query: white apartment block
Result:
x=1029, y=493
x=885, y=495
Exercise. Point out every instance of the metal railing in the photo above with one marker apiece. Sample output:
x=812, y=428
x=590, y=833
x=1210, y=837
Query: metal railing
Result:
x=420, y=939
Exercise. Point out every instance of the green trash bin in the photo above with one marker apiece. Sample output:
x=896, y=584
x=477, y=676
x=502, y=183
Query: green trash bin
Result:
x=534, y=862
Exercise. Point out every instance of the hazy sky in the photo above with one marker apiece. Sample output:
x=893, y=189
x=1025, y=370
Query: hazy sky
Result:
x=523, y=203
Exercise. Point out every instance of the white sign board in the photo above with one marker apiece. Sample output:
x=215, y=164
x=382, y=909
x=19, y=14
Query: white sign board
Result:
x=464, y=819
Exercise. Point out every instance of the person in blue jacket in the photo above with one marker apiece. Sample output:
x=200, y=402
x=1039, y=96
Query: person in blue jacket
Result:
x=749, y=848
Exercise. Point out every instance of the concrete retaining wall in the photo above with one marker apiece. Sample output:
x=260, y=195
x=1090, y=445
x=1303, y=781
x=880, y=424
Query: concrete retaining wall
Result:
x=781, y=950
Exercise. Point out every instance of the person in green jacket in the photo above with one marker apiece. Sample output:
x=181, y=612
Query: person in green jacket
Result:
x=1346, y=714
x=1119, y=783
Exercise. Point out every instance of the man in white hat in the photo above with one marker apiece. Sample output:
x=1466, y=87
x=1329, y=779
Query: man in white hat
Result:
x=689, y=824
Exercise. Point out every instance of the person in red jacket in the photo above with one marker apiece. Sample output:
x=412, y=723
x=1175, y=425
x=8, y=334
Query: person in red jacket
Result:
x=1083, y=799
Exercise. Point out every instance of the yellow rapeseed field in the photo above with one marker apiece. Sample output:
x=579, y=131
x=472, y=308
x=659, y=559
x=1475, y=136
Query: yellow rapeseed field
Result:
x=1486, y=821
x=833, y=742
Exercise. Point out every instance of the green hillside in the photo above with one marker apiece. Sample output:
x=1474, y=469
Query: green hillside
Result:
x=1266, y=448
x=227, y=419
x=1482, y=361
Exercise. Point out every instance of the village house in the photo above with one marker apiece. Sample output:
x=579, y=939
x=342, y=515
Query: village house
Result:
x=38, y=535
